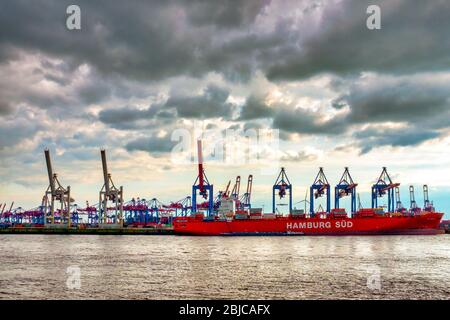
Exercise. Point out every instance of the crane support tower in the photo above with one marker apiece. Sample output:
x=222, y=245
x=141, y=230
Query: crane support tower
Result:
x=412, y=198
x=186, y=206
x=56, y=200
x=414, y=208
x=245, y=200
x=283, y=185
x=426, y=199
x=202, y=185
x=156, y=209
x=398, y=202
x=383, y=186
x=318, y=189
x=110, y=199
x=427, y=204
x=345, y=187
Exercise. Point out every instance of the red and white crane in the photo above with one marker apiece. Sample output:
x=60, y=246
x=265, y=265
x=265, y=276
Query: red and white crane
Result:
x=202, y=185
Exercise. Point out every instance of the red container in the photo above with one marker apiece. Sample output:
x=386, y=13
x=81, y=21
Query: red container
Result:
x=199, y=216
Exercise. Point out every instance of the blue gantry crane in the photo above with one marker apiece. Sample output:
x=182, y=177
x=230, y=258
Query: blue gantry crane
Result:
x=345, y=187
x=383, y=186
x=413, y=207
x=182, y=207
x=412, y=199
x=155, y=208
x=283, y=185
x=136, y=211
x=427, y=204
x=398, y=202
x=319, y=187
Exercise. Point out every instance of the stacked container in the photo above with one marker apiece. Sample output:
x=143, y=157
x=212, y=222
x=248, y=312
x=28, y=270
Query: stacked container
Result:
x=241, y=215
x=255, y=213
x=338, y=213
x=297, y=214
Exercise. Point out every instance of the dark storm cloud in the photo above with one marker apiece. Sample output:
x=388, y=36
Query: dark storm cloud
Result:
x=410, y=100
x=253, y=125
x=255, y=108
x=297, y=120
x=161, y=39
x=5, y=107
x=135, y=119
x=79, y=145
x=61, y=89
x=375, y=137
x=94, y=92
x=12, y=134
x=224, y=14
x=420, y=102
x=17, y=127
x=128, y=47
x=61, y=80
x=141, y=39
x=288, y=118
x=239, y=57
x=126, y=114
x=413, y=37
x=212, y=103
x=152, y=144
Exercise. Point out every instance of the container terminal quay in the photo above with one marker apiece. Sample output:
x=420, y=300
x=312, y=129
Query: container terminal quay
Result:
x=227, y=212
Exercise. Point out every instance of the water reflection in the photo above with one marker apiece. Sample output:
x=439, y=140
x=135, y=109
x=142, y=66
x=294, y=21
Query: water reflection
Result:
x=170, y=267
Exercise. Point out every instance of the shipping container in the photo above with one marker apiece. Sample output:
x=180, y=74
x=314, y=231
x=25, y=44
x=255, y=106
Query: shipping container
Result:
x=297, y=216
x=297, y=212
x=255, y=214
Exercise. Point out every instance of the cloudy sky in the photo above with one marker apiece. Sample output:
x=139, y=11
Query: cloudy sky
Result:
x=339, y=93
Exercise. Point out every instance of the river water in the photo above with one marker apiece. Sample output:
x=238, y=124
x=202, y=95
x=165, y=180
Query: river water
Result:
x=175, y=267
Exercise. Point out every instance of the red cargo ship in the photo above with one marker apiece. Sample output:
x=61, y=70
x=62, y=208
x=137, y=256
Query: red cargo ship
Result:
x=234, y=215
x=362, y=223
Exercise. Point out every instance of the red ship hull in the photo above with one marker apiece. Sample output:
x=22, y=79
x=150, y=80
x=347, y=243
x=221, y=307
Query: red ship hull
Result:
x=424, y=224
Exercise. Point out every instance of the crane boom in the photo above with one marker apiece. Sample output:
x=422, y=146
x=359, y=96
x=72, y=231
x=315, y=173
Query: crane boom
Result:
x=200, y=166
x=226, y=192
x=105, y=170
x=249, y=187
x=384, y=186
x=49, y=170
x=236, y=188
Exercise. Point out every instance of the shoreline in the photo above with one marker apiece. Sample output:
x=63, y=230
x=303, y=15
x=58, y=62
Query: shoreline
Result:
x=88, y=231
